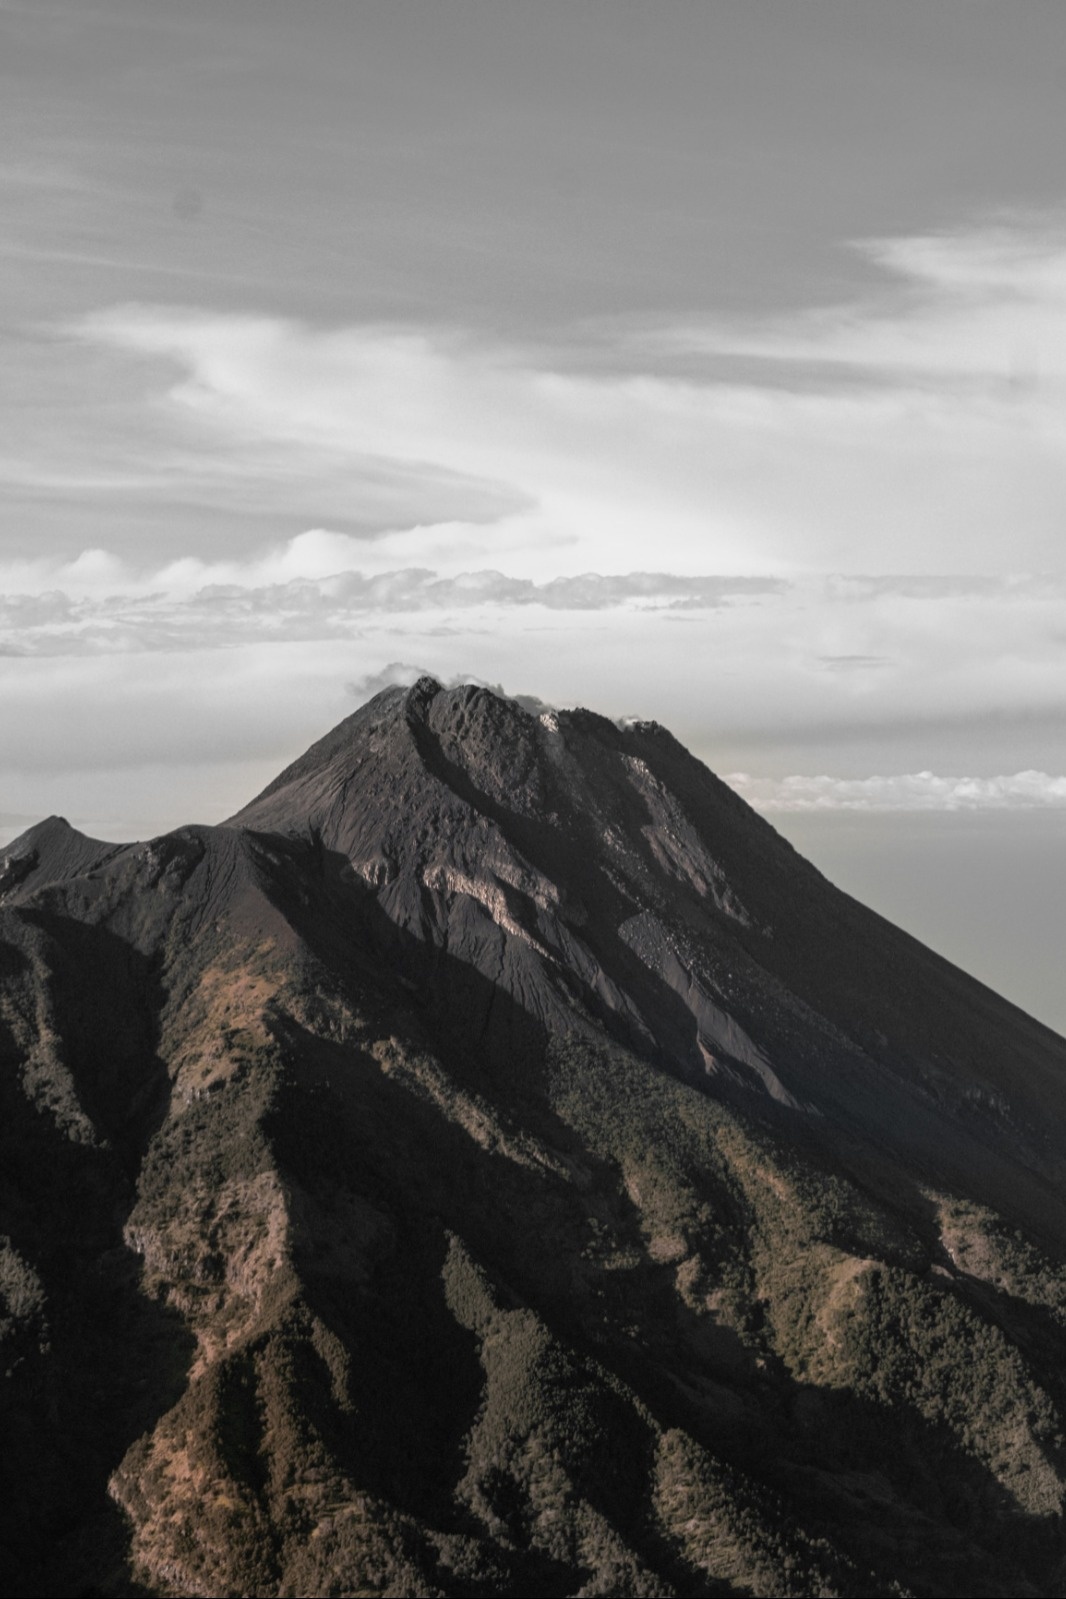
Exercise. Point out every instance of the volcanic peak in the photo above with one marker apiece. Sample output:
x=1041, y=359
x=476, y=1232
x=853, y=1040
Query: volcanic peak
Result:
x=494, y=1161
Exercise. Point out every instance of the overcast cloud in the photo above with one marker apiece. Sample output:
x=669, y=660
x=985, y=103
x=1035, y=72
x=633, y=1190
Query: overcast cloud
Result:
x=710, y=370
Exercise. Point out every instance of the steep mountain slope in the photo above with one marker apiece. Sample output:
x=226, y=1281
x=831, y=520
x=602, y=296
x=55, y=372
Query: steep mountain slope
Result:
x=495, y=1162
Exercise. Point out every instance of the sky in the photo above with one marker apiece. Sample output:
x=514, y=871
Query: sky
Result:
x=696, y=362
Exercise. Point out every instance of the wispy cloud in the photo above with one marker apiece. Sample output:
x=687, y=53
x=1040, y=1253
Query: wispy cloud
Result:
x=984, y=306
x=945, y=439
x=98, y=605
x=404, y=673
x=912, y=791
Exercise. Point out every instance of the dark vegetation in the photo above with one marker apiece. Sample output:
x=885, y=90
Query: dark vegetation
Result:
x=496, y=1163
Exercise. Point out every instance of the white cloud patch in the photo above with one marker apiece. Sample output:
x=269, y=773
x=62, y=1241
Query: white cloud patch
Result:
x=96, y=604
x=918, y=433
x=912, y=791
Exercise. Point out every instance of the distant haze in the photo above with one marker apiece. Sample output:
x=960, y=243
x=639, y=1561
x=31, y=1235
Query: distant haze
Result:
x=703, y=363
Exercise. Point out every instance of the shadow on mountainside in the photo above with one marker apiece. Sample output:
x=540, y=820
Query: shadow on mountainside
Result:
x=96, y=1364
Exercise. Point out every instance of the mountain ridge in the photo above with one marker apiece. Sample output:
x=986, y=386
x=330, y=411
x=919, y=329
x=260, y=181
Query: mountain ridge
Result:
x=495, y=1161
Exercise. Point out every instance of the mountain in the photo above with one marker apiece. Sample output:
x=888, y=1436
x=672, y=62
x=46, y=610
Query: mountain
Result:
x=494, y=1162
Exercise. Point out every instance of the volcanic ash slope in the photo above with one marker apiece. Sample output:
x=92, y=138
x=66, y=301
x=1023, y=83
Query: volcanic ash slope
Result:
x=495, y=1163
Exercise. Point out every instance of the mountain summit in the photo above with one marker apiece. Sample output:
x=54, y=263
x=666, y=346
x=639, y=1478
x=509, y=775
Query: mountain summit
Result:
x=495, y=1162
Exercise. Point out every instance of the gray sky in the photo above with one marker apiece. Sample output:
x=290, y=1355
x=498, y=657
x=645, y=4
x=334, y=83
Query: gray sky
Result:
x=703, y=362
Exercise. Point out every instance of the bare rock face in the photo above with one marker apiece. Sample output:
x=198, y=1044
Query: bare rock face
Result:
x=494, y=1162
